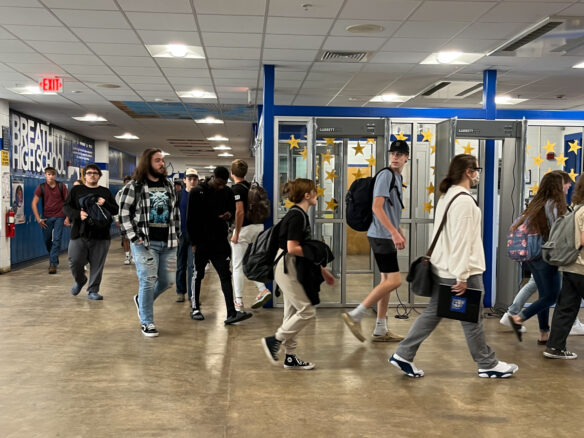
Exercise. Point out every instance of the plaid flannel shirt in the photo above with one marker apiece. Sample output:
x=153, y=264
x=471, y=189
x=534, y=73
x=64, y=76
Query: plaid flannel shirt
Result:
x=135, y=211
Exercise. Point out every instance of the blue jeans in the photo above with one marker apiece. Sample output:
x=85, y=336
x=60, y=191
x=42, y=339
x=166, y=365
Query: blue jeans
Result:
x=522, y=296
x=52, y=235
x=184, y=266
x=548, y=281
x=155, y=267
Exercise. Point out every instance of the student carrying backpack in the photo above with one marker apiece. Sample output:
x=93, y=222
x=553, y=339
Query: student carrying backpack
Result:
x=258, y=204
x=523, y=245
x=560, y=249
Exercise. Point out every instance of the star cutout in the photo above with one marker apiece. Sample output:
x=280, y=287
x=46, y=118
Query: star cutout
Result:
x=331, y=175
x=534, y=188
x=327, y=157
x=371, y=160
x=319, y=191
x=317, y=168
x=358, y=149
x=358, y=174
x=548, y=171
x=561, y=160
x=288, y=203
x=468, y=149
x=427, y=135
x=432, y=149
x=549, y=147
x=428, y=206
x=573, y=175
x=371, y=140
x=329, y=141
x=430, y=189
x=574, y=147
x=527, y=148
x=304, y=153
x=433, y=170
x=293, y=142
x=331, y=205
x=400, y=136
x=537, y=160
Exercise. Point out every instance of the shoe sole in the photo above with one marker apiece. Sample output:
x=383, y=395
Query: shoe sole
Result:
x=516, y=328
x=151, y=335
x=497, y=374
x=396, y=364
x=135, y=299
x=261, y=302
x=98, y=298
x=243, y=318
x=268, y=352
x=305, y=368
x=554, y=356
x=353, y=327
x=384, y=339
x=199, y=317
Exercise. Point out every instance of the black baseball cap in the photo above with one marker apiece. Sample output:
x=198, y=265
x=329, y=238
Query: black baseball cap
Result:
x=399, y=146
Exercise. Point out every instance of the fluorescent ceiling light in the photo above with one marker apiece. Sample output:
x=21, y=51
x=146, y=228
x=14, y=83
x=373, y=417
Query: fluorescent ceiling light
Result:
x=164, y=154
x=210, y=167
x=507, y=100
x=90, y=118
x=217, y=138
x=452, y=57
x=390, y=97
x=197, y=94
x=127, y=136
x=225, y=154
x=29, y=89
x=175, y=51
x=581, y=65
x=209, y=119
x=222, y=148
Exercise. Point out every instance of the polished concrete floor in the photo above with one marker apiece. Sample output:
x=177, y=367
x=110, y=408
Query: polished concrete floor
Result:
x=70, y=367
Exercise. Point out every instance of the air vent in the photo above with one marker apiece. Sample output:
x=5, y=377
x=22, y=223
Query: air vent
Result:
x=470, y=90
x=530, y=36
x=343, y=56
x=452, y=89
x=435, y=88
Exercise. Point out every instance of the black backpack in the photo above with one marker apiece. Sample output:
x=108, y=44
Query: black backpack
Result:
x=258, y=204
x=97, y=217
x=359, y=201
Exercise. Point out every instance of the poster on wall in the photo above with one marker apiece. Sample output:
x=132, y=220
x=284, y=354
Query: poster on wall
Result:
x=18, y=200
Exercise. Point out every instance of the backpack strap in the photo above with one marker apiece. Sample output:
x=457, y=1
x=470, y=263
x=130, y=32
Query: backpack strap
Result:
x=392, y=186
x=284, y=252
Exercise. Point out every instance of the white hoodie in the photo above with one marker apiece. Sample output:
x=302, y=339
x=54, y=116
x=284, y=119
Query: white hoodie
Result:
x=459, y=251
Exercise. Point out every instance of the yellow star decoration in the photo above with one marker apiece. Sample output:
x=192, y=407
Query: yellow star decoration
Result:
x=400, y=136
x=358, y=174
x=549, y=147
x=561, y=160
x=371, y=140
x=430, y=188
x=527, y=148
x=329, y=141
x=371, y=160
x=331, y=205
x=358, y=149
x=574, y=147
x=293, y=142
x=288, y=203
x=548, y=171
x=331, y=175
x=319, y=191
x=468, y=149
x=433, y=170
x=428, y=206
x=432, y=149
x=327, y=157
x=537, y=160
x=573, y=175
x=534, y=188
x=317, y=168
x=304, y=153
x=427, y=135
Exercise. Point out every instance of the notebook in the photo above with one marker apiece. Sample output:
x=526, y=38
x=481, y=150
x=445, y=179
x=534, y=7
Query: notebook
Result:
x=463, y=308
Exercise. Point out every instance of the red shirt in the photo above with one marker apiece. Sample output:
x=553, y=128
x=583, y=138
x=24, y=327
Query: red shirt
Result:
x=53, y=205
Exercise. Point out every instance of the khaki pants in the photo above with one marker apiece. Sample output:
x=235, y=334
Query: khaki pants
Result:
x=298, y=311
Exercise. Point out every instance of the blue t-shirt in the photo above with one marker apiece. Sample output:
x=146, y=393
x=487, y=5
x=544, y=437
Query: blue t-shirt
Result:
x=393, y=212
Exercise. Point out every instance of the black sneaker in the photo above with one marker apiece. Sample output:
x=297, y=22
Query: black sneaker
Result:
x=271, y=348
x=196, y=315
x=77, y=287
x=137, y=305
x=293, y=363
x=237, y=317
x=554, y=353
x=149, y=330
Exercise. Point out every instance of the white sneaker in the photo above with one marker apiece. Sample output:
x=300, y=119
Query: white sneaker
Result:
x=505, y=321
x=127, y=261
x=577, y=328
x=500, y=371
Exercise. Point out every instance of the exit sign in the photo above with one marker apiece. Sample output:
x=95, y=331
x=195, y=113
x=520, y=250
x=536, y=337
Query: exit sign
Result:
x=51, y=85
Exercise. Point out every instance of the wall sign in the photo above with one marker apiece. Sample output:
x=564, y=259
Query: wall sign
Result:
x=51, y=85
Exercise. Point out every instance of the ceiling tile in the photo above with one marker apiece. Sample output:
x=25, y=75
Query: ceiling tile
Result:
x=336, y=67
x=472, y=45
x=241, y=83
x=88, y=69
x=119, y=49
x=161, y=37
x=224, y=7
x=289, y=55
x=144, y=71
x=104, y=5
x=181, y=63
x=224, y=39
x=230, y=23
x=42, y=33
x=23, y=58
x=98, y=19
x=14, y=46
x=233, y=63
x=301, y=26
x=159, y=21
x=74, y=59
x=398, y=57
x=451, y=11
x=133, y=79
x=230, y=53
x=153, y=87
x=5, y=35
x=492, y=31
x=60, y=47
x=190, y=83
x=318, y=9
x=97, y=78
x=27, y=16
x=232, y=74
x=128, y=61
x=340, y=28
x=413, y=45
x=36, y=68
x=292, y=41
x=348, y=43
x=373, y=9
x=92, y=35
x=178, y=6
x=175, y=74
x=520, y=13
x=415, y=29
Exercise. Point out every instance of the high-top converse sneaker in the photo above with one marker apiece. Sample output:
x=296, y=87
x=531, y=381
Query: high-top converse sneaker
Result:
x=293, y=363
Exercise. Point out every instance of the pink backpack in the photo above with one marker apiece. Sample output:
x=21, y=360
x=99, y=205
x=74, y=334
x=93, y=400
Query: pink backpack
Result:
x=523, y=245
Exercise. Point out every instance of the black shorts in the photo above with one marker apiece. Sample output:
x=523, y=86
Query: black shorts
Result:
x=385, y=254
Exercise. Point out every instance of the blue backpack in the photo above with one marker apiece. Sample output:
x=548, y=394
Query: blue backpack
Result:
x=523, y=245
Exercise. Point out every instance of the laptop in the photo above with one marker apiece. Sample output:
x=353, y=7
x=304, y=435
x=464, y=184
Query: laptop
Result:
x=463, y=308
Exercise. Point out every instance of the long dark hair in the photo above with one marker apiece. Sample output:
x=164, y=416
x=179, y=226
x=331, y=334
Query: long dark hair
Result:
x=551, y=188
x=578, y=194
x=459, y=164
x=143, y=167
x=296, y=189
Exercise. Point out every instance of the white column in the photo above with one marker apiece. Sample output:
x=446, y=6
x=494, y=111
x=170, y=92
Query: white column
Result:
x=102, y=160
x=5, y=203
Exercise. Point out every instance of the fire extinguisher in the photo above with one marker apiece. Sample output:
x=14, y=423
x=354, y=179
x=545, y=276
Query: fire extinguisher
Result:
x=10, y=225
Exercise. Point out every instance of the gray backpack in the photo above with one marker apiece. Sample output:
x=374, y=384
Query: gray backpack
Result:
x=560, y=250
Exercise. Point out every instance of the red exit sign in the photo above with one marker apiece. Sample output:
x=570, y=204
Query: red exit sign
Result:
x=51, y=85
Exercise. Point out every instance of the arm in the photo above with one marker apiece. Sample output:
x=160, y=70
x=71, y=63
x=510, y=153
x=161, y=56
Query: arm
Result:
x=110, y=204
x=128, y=226
x=397, y=237
x=294, y=248
x=239, y=215
x=193, y=227
x=461, y=219
x=72, y=209
x=33, y=204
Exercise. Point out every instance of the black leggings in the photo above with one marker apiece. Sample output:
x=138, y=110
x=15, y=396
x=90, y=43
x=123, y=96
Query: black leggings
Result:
x=220, y=258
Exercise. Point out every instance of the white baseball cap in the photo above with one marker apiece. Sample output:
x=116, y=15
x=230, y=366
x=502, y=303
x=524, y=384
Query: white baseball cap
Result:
x=191, y=172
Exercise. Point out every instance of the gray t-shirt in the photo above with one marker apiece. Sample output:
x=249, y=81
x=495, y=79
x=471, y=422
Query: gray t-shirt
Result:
x=393, y=212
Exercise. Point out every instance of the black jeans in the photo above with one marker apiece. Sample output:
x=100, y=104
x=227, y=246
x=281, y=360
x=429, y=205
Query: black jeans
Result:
x=219, y=256
x=566, y=310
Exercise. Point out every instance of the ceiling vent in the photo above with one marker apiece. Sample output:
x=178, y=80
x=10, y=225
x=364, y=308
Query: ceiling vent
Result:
x=343, y=56
x=452, y=89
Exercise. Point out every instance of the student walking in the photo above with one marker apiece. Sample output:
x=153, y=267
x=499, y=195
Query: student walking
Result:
x=185, y=259
x=125, y=241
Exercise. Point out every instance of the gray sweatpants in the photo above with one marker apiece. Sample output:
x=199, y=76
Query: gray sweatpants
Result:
x=425, y=324
x=92, y=251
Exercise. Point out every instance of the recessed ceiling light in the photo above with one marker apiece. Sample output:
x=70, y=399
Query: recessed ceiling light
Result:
x=107, y=85
x=364, y=28
x=581, y=65
x=197, y=94
x=164, y=154
x=127, y=136
x=29, y=89
x=222, y=148
x=452, y=57
x=448, y=57
x=508, y=100
x=210, y=167
x=390, y=97
x=76, y=91
x=225, y=154
x=209, y=119
x=217, y=138
x=175, y=51
x=178, y=50
x=90, y=118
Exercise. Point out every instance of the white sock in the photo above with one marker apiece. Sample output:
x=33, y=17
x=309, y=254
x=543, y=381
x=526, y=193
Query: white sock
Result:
x=380, y=327
x=127, y=254
x=358, y=313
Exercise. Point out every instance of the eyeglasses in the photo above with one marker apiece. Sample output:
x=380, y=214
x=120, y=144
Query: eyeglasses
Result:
x=478, y=169
x=91, y=173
